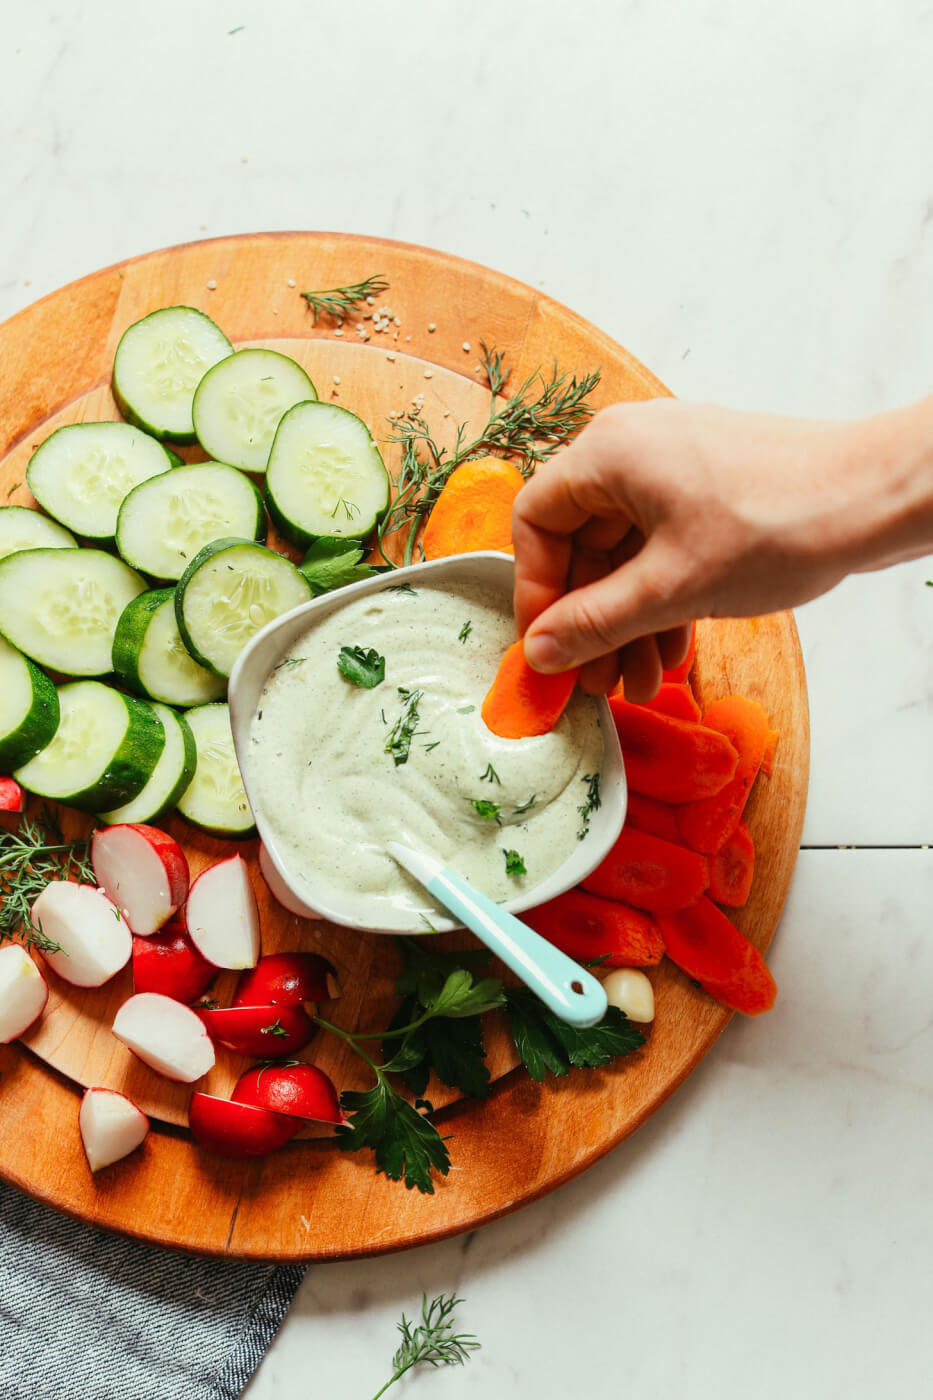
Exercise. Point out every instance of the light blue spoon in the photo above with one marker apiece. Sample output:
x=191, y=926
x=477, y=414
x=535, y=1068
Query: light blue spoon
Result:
x=563, y=985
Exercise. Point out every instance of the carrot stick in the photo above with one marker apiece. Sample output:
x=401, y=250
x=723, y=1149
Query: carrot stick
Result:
x=767, y=758
x=649, y=873
x=676, y=701
x=587, y=927
x=708, y=823
x=521, y=702
x=474, y=510
x=678, y=674
x=710, y=949
x=672, y=759
x=657, y=818
x=731, y=869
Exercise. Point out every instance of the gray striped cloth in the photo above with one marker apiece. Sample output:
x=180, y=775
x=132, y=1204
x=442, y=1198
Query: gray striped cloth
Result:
x=86, y=1315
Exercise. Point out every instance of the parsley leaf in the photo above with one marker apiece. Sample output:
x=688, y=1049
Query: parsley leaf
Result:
x=332, y=563
x=514, y=863
x=453, y=1049
x=546, y=1043
x=363, y=668
x=489, y=811
x=406, y=1144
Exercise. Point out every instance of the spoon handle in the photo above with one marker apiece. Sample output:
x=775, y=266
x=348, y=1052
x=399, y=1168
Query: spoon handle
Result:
x=563, y=985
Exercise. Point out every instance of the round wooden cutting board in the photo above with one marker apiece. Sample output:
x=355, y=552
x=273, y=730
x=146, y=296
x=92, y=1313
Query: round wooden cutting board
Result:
x=311, y=1201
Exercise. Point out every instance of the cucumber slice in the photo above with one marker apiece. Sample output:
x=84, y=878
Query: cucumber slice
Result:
x=83, y=472
x=61, y=606
x=170, y=777
x=22, y=528
x=227, y=593
x=28, y=708
x=240, y=402
x=325, y=475
x=150, y=657
x=159, y=363
x=164, y=522
x=216, y=799
x=103, y=753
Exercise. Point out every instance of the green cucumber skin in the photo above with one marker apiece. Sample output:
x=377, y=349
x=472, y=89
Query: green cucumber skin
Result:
x=203, y=555
x=191, y=763
x=174, y=458
x=120, y=780
x=131, y=629
x=129, y=413
x=226, y=833
x=39, y=726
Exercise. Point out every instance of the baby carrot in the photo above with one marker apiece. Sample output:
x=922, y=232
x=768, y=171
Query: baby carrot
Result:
x=676, y=701
x=587, y=927
x=655, y=817
x=709, y=948
x=649, y=873
x=708, y=823
x=731, y=869
x=522, y=702
x=673, y=759
x=474, y=510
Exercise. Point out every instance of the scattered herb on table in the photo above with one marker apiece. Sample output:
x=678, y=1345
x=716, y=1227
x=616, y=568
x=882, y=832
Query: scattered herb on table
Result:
x=340, y=301
x=490, y=775
x=432, y=1341
x=403, y=730
x=465, y=631
x=366, y=669
x=489, y=811
x=332, y=563
x=533, y=423
x=275, y=1029
x=527, y=805
x=514, y=863
x=29, y=858
x=592, y=804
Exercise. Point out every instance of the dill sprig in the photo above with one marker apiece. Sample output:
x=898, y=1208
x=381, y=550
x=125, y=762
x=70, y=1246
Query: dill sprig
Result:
x=433, y=1341
x=340, y=301
x=29, y=858
x=533, y=423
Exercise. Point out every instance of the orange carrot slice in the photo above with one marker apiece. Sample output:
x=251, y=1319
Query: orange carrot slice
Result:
x=657, y=818
x=474, y=510
x=676, y=701
x=708, y=823
x=586, y=927
x=767, y=758
x=649, y=873
x=522, y=702
x=731, y=869
x=710, y=949
x=673, y=759
x=678, y=674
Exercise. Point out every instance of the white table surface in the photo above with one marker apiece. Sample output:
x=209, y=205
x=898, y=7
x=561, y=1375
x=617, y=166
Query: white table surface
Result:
x=741, y=194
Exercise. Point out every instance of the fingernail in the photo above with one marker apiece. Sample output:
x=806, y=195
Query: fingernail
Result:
x=545, y=653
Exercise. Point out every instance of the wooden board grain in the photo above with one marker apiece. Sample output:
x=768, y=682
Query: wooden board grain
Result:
x=311, y=1201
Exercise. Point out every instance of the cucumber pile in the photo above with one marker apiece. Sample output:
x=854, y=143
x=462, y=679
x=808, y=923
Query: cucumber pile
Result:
x=145, y=576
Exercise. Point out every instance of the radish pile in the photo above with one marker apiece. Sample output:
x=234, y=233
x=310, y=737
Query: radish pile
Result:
x=179, y=935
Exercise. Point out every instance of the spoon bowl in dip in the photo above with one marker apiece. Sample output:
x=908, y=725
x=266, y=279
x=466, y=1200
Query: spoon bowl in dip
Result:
x=333, y=769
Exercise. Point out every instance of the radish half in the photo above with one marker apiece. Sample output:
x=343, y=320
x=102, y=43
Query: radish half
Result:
x=111, y=1127
x=170, y=964
x=238, y=1129
x=94, y=938
x=222, y=915
x=23, y=992
x=143, y=870
x=298, y=1091
x=267, y=1032
x=166, y=1036
x=288, y=978
x=12, y=797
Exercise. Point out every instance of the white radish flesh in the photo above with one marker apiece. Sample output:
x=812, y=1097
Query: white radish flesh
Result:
x=144, y=872
x=222, y=915
x=23, y=992
x=94, y=937
x=166, y=1036
x=111, y=1127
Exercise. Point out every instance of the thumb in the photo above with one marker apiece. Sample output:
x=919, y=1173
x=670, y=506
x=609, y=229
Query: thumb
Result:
x=600, y=617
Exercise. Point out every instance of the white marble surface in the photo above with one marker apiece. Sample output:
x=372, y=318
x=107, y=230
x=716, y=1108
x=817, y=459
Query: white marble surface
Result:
x=741, y=194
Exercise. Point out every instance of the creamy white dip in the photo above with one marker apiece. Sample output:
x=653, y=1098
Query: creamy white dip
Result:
x=332, y=796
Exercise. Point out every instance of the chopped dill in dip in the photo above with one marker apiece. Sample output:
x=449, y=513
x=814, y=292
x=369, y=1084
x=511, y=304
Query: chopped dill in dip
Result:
x=339, y=768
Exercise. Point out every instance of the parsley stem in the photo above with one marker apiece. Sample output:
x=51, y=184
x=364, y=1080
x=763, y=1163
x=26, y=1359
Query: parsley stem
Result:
x=374, y=1035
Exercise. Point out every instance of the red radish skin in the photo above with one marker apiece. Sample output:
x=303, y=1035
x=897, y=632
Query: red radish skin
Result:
x=23, y=992
x=95, y=939
x=238, y=1129
x=111, y=1127
x=222, y=915
x=12, y=797
x=170, y=964
x=288, y=979
x=143, y=870
x=168, y=1037
x=299, y=1091
x=265, y=1032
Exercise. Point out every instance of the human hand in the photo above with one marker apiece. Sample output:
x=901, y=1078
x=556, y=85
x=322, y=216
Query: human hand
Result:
x=663, y=512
